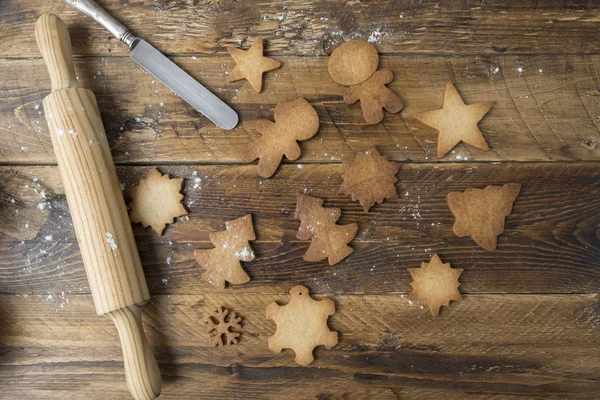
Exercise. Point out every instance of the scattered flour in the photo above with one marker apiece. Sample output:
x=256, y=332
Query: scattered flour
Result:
x=110, y=239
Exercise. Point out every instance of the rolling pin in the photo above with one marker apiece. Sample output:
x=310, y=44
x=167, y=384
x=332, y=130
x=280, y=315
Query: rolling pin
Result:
x=112, y=263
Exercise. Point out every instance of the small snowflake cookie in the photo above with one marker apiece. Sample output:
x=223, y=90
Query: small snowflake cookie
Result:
x=218, y=326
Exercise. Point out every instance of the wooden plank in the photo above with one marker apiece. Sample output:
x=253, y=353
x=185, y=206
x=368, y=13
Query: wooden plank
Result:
x=509, y=346
x=551, y=242
x=549, y=111
x=313, y=27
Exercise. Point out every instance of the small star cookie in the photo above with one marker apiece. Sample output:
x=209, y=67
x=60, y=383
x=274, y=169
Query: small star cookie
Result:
x=156, y=201
x=435, y=284
x=456, y=122
x=251, y=64
x=302, y=325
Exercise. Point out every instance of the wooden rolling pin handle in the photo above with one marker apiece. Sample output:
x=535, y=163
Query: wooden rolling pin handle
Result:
x=55, y=45
x=141, y=369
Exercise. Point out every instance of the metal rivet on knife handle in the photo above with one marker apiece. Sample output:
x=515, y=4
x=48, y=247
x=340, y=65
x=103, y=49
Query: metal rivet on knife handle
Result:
x=162, y=68
x=112, y=263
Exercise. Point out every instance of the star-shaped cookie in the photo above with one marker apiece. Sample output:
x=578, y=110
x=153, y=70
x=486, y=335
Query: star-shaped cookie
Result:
x=251, y=64
x=156, y=201
x=435, y=284
x=370, y=178
x=456, y=122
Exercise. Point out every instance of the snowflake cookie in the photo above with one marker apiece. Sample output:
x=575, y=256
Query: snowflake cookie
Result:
x=218, y=326
x=370, y=178
x=302, y=325
x=435, y=284
x=156, y=201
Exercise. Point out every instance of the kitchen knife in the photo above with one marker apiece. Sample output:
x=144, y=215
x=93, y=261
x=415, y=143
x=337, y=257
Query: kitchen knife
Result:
x=162, y=68
x=100, y=219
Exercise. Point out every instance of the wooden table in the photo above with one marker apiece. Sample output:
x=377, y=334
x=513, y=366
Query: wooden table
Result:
x=529, y=321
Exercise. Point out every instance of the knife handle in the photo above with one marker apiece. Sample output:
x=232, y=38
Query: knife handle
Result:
x=98, y=14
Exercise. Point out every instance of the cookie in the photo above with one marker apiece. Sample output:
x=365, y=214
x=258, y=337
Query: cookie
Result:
x=302, y=325
x=456, y=122
x=156, y=201
x=295, y=120
x=435, y=284
x=251, y=64
x=329, y=240
x=369, y=178
x=374, y=96
x=480, y=213
x=222, y=264
x=219, y=327
x=353, y=62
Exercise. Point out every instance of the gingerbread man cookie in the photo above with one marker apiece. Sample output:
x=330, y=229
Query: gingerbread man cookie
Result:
x=354, y=64
x=295, y=121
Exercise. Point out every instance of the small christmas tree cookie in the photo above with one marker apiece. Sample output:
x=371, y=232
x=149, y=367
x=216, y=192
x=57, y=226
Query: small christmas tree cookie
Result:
x=329, y=240
x=222, y=264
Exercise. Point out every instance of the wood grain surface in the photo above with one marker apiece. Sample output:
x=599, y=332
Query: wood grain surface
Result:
x=550, y=111
x=508, y=346
x=308, y=27
x=527, y=325
x=550, y=245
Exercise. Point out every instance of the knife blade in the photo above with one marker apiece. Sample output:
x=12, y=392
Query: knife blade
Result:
x=162, y=68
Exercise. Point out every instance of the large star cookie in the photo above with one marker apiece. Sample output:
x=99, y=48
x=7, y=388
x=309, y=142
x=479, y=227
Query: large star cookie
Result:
x=251, y=64
x=456, y=122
